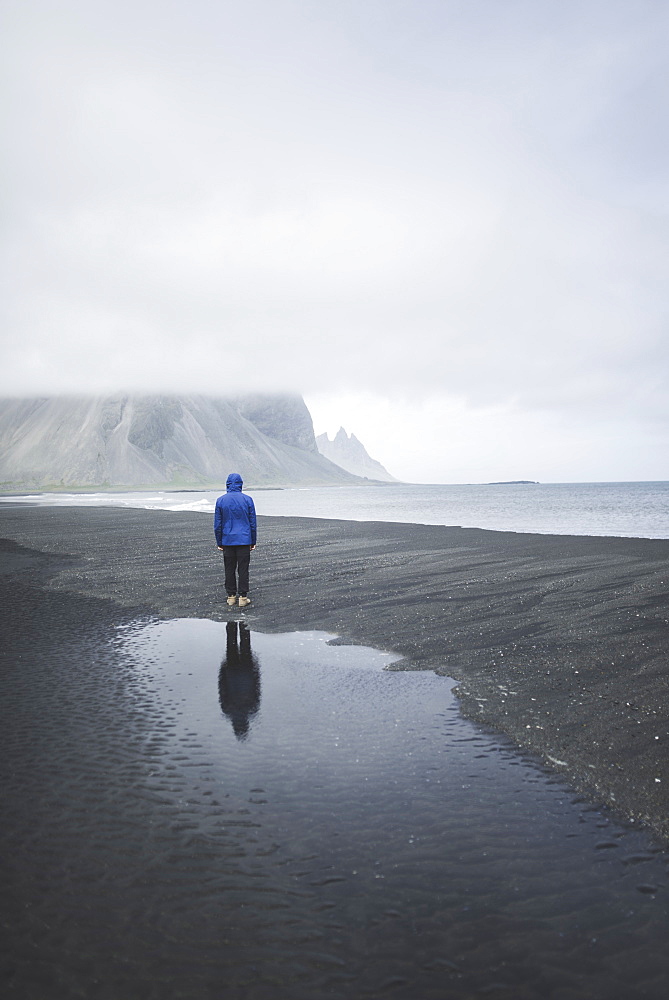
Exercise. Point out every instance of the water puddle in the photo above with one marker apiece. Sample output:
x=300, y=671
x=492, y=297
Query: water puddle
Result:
x=297, y=822
x=369, y=835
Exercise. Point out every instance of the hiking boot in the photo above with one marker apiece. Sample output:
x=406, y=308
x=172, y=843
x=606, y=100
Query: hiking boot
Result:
x=232, y=600
x=243, y=601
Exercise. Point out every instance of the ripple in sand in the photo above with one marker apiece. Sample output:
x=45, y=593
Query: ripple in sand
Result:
x=275, y=816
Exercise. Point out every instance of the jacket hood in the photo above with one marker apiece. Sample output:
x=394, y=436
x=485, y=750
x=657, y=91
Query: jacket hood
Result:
x=234, y=483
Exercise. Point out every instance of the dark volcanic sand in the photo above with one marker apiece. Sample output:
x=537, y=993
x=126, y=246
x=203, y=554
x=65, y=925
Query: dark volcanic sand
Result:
x=560, y=642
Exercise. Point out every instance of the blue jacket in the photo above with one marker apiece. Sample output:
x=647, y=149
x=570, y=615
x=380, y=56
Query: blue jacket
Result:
x=235, y=515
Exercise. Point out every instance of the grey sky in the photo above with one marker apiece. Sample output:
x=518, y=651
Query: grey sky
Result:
x=444, y=221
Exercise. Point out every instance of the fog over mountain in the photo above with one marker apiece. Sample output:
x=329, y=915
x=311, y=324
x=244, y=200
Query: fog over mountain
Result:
x=443, y=223
x=350, y=454
x=141, y=440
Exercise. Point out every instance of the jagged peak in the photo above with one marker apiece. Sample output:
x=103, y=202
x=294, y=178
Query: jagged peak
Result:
x=347, y=451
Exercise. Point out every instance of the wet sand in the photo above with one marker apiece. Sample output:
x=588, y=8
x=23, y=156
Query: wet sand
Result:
x=560, y=642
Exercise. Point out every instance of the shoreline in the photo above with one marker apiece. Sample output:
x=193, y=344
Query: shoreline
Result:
x=22, y=504
x=590, y=510
x=558, y=641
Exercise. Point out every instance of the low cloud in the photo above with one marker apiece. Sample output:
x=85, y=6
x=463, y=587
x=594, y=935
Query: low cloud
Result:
x=463, y=204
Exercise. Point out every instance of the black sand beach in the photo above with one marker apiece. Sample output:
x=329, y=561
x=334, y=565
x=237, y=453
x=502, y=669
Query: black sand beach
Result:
x=559, y=642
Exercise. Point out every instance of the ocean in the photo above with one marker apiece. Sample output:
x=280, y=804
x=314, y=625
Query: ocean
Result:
x=639, y=510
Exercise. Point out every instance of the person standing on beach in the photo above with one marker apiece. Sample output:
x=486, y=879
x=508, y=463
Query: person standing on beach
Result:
x=235, y=531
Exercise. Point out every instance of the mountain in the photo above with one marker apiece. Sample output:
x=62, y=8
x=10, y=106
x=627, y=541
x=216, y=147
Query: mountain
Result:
x=137, y=440
x=350, y=454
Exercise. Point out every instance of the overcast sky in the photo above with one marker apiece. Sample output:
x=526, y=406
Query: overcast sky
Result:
x=445, y=222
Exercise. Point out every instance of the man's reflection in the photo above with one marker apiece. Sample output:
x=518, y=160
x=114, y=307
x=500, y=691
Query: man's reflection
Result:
x=239, y=679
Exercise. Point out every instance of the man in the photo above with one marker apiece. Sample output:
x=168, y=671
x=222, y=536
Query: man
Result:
x=235, y=531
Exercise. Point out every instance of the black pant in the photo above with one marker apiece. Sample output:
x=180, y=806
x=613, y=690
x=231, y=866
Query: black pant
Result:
x=236, y=559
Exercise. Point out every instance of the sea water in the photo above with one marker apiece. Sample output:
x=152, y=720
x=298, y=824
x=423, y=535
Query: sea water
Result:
x=621, y=509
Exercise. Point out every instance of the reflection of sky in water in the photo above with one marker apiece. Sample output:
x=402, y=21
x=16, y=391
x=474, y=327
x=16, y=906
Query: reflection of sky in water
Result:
x=352, y=833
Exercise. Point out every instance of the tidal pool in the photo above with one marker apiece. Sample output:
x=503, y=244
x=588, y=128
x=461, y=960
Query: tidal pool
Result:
x=256, y=816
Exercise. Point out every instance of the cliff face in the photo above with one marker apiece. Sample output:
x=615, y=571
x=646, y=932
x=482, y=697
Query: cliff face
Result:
x=283, y=418
x=159, y=441
x=350, y=454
